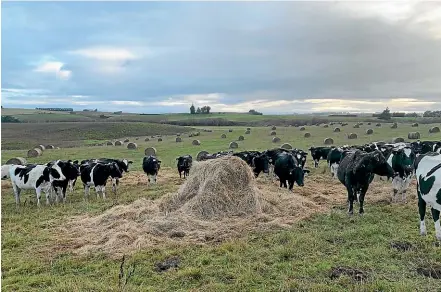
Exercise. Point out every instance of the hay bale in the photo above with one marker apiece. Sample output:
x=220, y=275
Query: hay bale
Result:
x=233, y=145
x=378, y=125
x=352, y=136
x=241, y=138
x=307, y=135
x=126, y=141
x=17, y=161
x=247, y=132
x=206, y=195
x=369, y=131
x=248, y=129
x=34, y=152
x=328, y=141
x=119, y=143
x=198, y=133
x=369, y=123
x=190, y=135
x=434, y=130
x=150, y=151
x=178, y=134
x=223, y=136
x=398, y=140
x=159, y=139
x=147, y=139
x=286, y=146
x=49, y=147
x=276, y=140
x=41, y=147
x=178, y=139
x=196, y=142
x=356, y=126
x=336, y=130
x=137, y=138
x=414, y=125
x=273, y=128
x=230, y=130
x=273, y=133
x=201, y=154
x=325, y=126
x=109, y=143
x=413, y=135
x=302, y=129
x=360, y=123
x=132, y=145
x=394, y=126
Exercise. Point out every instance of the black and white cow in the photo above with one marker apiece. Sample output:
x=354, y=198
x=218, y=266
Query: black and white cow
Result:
x=95, y=174
x=287, y=168
x=5, y=171
x=318, y=153
x=184, y=165
x=428, y=175
x=123, y=165
x=402, y=162
x=36, y=176
x=151, y=166
x=333, y=159
x=71, y=171
x=356, y=172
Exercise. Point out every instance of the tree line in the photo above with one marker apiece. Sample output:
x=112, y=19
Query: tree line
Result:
x=200, y=110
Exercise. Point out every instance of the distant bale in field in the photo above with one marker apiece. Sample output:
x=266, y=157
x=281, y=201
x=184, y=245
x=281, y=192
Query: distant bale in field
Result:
x=276, y=140
x=152, y=137
x=356, y=126
x=307, y=135
x=137, y=138
x=201, y=154
x=150, y=151
x=394, y=126
x=352, y=136
x=233, y=145
x=378, y=125
x=41, y=147
x=414, y=125
x=332, y=123
x=132, y=145
x=273, y=133
x=119, y=143
x=247, y=132
x=344, y=124
x=199, y=133
x=413, y=135
x=178, y=134
x=178, y=139
x=286, y=146
x=49, y=147
x=57, y=148
x=35, y=152
x=369, y=123
x=159, y=139
x=196, y=142
x=434, y=130
x=223, y=136
x=248, y=129
x=273, y=128
x=369, y=131
x=336, y=130
x=190, y=135
x=302, y=129
x=241, y=138
x=126, y=141
x=360, y=123
x=147, y=139
x=398, y=140
x=230, y=130
x=328, y=141
x=17, y=161
x=325, y=126
x=109, y=143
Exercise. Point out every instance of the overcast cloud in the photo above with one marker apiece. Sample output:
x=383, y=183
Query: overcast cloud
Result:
x=279, y=57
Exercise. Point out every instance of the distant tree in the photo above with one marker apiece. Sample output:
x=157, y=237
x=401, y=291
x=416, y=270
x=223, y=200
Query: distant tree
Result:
x=96, y=110
x=412, y=115
x=10, y=119
x=432, y=114
x=208, y=109
x=385, y=115
x=254, y=112
x=198, y=111
x=192, y=109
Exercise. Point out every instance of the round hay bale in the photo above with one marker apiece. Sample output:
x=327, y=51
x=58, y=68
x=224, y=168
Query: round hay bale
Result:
x=286, y=146
x=126, y=141
x=241, y=138
x=49, y=147
x=147, y=139
x=394, y=126
x=190, y=135
x=248, y=129
x=159, y=139
x=307, y=135
x=196, y=142
x=247, y=132
x=178, y=139
x=398, y=140
x=132, y=145
x=273, y=128
x=152, y=137
x=360, y=123
x=302, y=129
x=34, y=152
x=230, y=130
x=109, y=143
x=344, y=124
x=276, y=140
x=233, y=145
x=328, y=141
x=352, y=136
x=119, y=143
x=206, y=196
x=369, y=123
x=325, y=126
x=178, y=134
x=137, y=138
x=369, y=131
x=57, y=148
x=336, y=130
x=223, y=136
x=356, y=126
x=273, y=133
x=413, y=135
x=198, y=133
x=378, y=125
x=434, y=130
x=414, y=125
x=150, y=151
x=201, y=154
x=41, y=147
x=17, y=161
x=332, y=123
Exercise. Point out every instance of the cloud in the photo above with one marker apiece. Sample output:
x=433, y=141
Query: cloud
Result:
x=54, y=68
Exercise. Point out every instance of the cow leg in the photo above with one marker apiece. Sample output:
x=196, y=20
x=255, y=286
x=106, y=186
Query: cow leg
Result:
x=86, y=191
x=38, y=192
x=97, y=191
x=435, y=215
x=361, y=198
x=394, y=196
x=17, y=191
x=350, y=200
x=316, y=163
x=154, y=177
x=404, y=196
x=422, y=211
x=103, y=191
x=180, y=174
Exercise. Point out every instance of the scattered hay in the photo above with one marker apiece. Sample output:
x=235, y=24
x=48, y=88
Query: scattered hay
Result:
x=119, y=143
x=178, y=139
x=223, y=136
x=126, y=140
x=247, y=132
x=159, y=139
x=434, y=130
x=369, y=131
x=352, y=136
x=132, y=145
x=276, y=140
x=398, y=140
x=336, y=130
x=273, y=128
x=41, y=147
x=413, y=135
x=49, y=147
x=35, y=152
x=307, y=135
x=394, y=126
x=17, y=161
x=201, y=154
x=110, y=143
x=302, y=129
x=286, y=146
x=328, y=141
x=241, y=138
x=414, y=125
x=273, y=133
x=196, y=142
x=233, y=145
x=378, y=125
x=150, y=151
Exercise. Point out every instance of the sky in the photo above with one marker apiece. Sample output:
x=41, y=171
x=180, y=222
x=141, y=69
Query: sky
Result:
x=276, y=58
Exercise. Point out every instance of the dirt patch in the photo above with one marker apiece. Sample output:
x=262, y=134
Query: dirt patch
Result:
x=355, y=274
x=430, y=272
x=401, y=246
x=169, y=263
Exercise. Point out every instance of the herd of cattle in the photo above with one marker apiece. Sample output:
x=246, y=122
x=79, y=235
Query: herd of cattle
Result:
x=354, y=166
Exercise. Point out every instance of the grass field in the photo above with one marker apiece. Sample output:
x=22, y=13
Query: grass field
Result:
x=301, y=257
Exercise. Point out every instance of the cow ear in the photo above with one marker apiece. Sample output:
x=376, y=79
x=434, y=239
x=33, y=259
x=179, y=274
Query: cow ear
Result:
x=69, y=161
x=49, y=164
x=75, y=162
x=177, y=158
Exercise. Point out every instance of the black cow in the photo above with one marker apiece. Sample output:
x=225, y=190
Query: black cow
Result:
x=184, y=165
x=333, y=159
x=259, y=163
x=96, y=175
x=71, y=171
x=151, y=166
x=318, y=153
x=287, y=168
x=356, y=172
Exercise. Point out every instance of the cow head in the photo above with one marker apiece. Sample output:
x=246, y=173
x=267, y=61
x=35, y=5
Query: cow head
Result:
x=297, y=175
x=184, y=161
x=379, y=164
x=403, y=161
x=56, y=169
x=126, y=164
x=71, y=169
